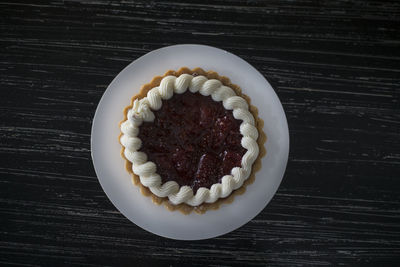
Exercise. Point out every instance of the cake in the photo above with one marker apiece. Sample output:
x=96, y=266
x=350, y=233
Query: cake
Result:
x=190, y=140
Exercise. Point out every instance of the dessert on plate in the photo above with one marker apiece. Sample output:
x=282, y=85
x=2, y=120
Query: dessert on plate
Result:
x=191, y=140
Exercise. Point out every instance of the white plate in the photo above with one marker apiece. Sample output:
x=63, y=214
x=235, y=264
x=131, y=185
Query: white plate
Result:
x=115, y=180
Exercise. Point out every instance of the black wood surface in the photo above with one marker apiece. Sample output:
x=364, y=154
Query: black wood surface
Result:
x=334, y=65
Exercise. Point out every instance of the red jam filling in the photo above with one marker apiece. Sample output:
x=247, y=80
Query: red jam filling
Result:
x=193, y=140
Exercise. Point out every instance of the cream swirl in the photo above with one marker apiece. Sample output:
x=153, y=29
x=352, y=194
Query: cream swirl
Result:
x=146, y=170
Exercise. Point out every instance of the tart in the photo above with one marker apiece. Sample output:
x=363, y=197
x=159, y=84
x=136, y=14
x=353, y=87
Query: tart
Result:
x=191, y=140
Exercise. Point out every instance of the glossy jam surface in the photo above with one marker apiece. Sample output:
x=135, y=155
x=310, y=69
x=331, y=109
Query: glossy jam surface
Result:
x=193, y=140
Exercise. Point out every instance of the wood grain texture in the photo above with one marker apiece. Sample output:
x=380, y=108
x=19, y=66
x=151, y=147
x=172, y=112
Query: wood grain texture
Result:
x=334, y=64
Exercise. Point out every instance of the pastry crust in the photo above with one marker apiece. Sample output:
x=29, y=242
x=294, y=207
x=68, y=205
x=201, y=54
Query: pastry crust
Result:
x=184, y=208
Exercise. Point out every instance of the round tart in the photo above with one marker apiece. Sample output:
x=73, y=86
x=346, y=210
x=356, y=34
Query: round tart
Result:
x=190, y=139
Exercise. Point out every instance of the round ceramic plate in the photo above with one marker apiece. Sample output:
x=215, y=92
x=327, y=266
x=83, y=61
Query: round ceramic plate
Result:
x=110, y=167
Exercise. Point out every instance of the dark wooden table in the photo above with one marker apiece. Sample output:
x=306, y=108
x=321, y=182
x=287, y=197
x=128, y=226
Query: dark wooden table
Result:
x=334, y=65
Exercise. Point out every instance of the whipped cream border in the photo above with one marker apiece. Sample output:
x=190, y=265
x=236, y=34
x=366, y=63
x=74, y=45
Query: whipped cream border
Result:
x=146, y=170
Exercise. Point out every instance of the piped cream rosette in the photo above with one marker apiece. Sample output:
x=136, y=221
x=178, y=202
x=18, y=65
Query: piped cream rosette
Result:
x=142, y=110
